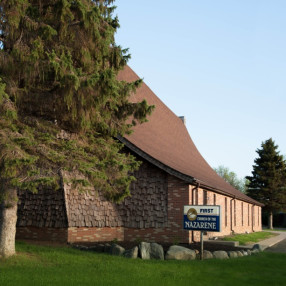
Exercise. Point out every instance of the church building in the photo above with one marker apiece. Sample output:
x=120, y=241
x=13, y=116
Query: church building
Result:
x=172, y=174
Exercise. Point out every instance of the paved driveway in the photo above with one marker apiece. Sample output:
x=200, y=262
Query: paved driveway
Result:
x=279, y=247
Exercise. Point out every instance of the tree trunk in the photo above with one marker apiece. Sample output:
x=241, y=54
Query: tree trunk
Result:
x=8, y=219
x=270, y=220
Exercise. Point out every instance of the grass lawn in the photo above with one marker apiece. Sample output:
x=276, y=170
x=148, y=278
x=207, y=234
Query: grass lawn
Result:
x=43, y=265
x=278, y=229
x=253, y=237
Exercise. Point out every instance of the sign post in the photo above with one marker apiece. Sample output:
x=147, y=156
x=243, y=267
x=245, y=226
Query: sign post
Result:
x=202, y=218
x=202, y=245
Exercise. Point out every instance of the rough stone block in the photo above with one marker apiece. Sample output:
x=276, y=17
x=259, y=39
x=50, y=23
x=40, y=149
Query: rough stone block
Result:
x=176, y=252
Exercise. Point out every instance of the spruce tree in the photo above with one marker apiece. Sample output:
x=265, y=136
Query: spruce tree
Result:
x=61, y=105
x=268, y=181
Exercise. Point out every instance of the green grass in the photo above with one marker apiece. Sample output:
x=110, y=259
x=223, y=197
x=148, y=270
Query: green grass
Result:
x=39, y=265
x=253, y=237
x=278, y=229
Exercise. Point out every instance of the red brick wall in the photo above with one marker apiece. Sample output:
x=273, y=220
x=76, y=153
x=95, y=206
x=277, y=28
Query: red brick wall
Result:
x=42, y=234
x=232, y=221
x=179, y=194
x=87, y=234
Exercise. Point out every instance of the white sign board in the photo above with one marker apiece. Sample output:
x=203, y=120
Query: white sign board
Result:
x=202, y=218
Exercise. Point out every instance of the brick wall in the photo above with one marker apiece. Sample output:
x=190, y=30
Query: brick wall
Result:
x=42, y=234
x=178, y=196
x=236, y=215
x=87, y=234
x=153, y=213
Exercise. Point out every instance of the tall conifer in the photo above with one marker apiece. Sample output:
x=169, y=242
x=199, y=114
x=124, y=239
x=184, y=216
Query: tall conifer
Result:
x=268, y=181
x=61, y=105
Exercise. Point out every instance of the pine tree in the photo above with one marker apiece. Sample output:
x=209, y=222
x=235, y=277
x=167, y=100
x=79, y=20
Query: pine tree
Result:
x=61, y=105
x=268, y=181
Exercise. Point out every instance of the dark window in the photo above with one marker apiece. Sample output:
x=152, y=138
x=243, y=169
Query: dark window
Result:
x=214, y=199
x=248, y=216
x=205, y=199
x=242, y=213
x=225, y=214
x=234, y=212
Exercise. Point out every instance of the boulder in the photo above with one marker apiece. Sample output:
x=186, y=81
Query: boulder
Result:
x=239, y=254
x=248, y=251
x=144, y=250
x=232, y=254
x=245, y=253
x=156, y=251
x=208, y=254
x=116, y=250
x=255, y=251
x=220, y=254
x=180, y=253
x=131, y=253
x=257, y=246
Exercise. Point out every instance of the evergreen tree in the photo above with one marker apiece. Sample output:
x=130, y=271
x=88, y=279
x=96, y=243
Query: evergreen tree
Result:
x=61, y=105
x=268, y=181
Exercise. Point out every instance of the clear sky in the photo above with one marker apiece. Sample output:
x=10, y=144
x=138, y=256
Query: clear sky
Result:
x=221, y=63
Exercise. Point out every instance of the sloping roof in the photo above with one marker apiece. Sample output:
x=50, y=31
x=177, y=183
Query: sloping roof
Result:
x=165, y=141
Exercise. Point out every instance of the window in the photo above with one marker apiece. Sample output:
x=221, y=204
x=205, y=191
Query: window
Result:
x=225, y=211
x=214, y=199
x=234, y=212
x=242, y=213
x=205, y=199
x=248, y=216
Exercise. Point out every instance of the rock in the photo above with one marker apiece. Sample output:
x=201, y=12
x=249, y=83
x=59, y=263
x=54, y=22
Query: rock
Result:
x=180, y=253
x=255, y=251
x=116, y=250
x=198, y=255
x=257, y=246
x=248, y=251
x=220, y=254
x=239, y=254
x=208, y=254
x=156, y=251
x=144, y=250
x=244, y=252
x=232, y=254
x=131, y=253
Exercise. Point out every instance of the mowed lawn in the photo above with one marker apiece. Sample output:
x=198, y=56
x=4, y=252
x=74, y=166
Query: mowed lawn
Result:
x=252, y=237
x=43, y=265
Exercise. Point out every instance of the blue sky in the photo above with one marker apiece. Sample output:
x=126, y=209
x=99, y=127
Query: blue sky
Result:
x=221, y=63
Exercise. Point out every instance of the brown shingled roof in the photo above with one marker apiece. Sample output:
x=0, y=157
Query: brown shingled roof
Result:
x=165, y=141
